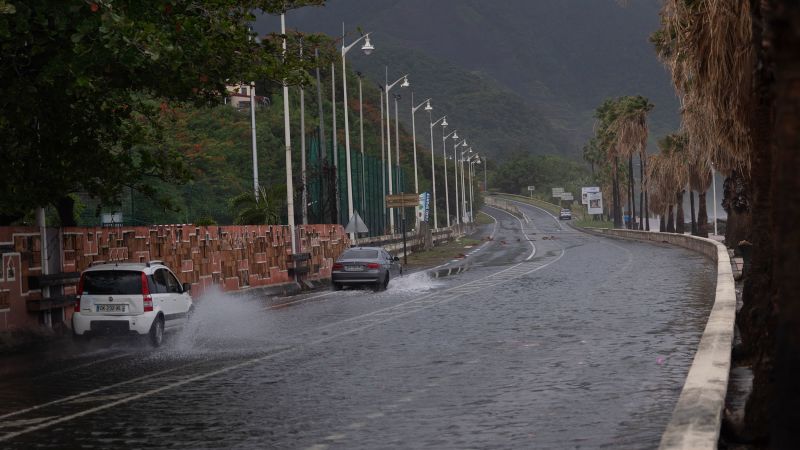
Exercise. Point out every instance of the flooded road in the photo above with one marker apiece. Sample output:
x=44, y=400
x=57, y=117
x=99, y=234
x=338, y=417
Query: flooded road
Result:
x=552, y=339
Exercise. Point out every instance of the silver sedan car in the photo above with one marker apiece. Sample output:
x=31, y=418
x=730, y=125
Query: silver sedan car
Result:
x=365, y=266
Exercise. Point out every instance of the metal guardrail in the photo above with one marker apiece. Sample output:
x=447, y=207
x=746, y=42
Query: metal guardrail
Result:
x=394, y=242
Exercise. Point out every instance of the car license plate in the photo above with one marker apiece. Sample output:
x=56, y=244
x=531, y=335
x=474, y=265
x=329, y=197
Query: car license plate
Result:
x=353, y=268
x=112, y=308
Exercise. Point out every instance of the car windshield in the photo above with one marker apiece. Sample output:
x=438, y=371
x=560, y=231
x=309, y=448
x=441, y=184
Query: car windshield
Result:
x=107, y=282
x=360, y=254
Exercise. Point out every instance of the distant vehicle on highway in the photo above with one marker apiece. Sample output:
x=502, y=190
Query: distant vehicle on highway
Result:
x=130, y=299
x=365, y=266
x=565, y=214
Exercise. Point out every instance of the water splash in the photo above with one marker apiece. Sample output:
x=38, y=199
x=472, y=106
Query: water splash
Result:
x=414, y=282
x=222, y=323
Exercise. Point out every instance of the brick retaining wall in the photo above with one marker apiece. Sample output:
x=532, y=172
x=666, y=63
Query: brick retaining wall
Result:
x=231, y=257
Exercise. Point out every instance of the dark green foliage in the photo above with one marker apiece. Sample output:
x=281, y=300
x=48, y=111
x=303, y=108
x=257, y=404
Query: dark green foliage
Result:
x=88, y=88
x=542, y=171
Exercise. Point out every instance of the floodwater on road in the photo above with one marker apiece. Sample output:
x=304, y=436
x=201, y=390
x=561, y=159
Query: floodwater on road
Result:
x=552, y=339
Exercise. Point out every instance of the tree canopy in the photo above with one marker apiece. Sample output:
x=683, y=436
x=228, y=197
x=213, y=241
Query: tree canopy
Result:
x=88, y=87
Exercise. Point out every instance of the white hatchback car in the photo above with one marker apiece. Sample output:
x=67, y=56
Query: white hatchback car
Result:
x=130, y=298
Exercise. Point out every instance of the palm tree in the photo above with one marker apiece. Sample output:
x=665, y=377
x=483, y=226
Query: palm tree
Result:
x=630, y=132
x=265, y=208
x=707, y=46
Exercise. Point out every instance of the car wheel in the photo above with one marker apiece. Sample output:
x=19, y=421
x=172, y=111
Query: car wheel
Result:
x=85, y=337
x=385, y=282
x=190, y=313
x=156, y=334
x=336, y=286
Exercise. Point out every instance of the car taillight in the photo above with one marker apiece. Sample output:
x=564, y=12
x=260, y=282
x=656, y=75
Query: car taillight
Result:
x=338, y=266
x=78, y=295
x=147, y=298
x=373, y=266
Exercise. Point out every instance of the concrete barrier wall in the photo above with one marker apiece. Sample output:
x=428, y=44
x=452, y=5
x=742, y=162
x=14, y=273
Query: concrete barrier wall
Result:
x=499, y=203
x=696, y=420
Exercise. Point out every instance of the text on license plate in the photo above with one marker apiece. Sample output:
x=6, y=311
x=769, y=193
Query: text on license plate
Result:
x=111, y=308
x=353, y=268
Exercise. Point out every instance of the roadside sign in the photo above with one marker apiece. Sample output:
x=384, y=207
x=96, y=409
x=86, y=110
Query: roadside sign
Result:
x=567, y=196
x=402, y=200
x=531, y=188
x=595, y=202
x=587, y=190
x=423, y=207
x=557, y=192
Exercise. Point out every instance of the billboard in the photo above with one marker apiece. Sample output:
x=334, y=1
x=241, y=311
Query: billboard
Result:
x=595, y=202
x=587, y=190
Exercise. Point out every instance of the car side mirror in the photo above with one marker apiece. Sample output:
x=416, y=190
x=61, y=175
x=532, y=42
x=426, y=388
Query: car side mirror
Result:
x=187, y=287
x=396, y=258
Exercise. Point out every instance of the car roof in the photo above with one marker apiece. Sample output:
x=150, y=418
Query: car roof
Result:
x=365, y=248
x=139, y=267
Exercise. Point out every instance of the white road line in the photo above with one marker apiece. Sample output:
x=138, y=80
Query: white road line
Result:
x=298, y=301
x=93, y=391
x=558, y=223
x=250, y=362
x=522, y=230
x=453, y=291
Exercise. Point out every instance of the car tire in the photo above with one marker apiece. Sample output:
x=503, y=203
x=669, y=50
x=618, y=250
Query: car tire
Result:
x=85, y=337
x=385, y=283
x=156, y=334
x=190, y=313
x=336, y=286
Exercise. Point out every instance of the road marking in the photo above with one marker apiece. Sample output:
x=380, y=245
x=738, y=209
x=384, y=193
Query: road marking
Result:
x=558, y=223
x=93, y=391
x=401, y=310
x=522, y=230
x=302, y=300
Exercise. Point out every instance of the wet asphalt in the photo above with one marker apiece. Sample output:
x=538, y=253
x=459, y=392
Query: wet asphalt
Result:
x=552, y=339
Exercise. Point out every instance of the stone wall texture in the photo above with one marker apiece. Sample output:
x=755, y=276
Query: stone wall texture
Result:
x=230, y=257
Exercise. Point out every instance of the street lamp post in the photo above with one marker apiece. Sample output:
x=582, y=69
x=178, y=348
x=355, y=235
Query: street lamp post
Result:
x=456, y=159
x=361, y=133
x=463, y=205
x=442, y=119
x=303, y=178
x=714, y=191
x=471, y=161
x=383, y=167
x=335, y=147
x=288, y=141
x=401, y=211
x=388, y=87
x=427, y=104
x=444, y=162
x=367, y=48
x=253, y=135
x=322, y=153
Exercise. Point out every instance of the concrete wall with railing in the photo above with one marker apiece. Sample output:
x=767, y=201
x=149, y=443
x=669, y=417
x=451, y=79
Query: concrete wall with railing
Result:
x=696, y=419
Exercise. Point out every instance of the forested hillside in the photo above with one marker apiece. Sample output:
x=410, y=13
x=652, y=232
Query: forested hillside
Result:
x=558, y=58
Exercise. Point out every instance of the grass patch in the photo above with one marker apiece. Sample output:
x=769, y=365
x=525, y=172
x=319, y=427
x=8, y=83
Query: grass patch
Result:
x=440, y=254
x=484, y=219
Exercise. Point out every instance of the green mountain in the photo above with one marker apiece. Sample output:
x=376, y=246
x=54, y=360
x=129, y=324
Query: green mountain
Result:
x=518, y=74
